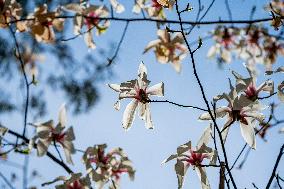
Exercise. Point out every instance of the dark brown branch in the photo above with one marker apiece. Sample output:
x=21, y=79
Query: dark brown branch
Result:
x=275, y=167
x=110, y=60
x=204, y=96
x=180, y=105
x=50, y=155
x=210, y=22
x=25, y=78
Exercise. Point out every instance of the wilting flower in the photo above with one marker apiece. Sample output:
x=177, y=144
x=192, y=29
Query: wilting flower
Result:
x=168, y=48
x=248, y=85
x=76, y=181
x=104, y=167
x=240, y=109
x=90, y=17
x=47, y=133
x=276, y=7
x=225, y=39
x=187, y=156
x=139, y=92
x=44, y=23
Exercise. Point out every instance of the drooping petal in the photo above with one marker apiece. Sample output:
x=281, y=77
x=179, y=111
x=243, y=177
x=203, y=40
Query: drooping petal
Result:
x=129, y=114
x=248, y=134
x=89, y=40
x=180, y=169
x=173, y=156
x=202, y=177
x=156, y=90
x=225, y=129
x=148, y=118
x=42, y=147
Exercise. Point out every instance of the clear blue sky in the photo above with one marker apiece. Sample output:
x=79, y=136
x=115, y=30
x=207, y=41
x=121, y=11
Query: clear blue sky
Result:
x=173, y=125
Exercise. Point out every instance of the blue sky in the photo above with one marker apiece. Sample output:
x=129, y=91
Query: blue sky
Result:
x=173, y=125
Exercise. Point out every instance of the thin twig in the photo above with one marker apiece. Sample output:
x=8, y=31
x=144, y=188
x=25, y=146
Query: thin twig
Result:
x=204, y=97
x=275, y=167
x=6, y=181
x=110, y=60
x=180, y=105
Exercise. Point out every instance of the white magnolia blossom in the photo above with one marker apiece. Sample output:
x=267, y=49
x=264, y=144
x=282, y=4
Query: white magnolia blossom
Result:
x=240, y=109
x=139, y=92
x=47, y=133
x=249, y=87
x=187, y=156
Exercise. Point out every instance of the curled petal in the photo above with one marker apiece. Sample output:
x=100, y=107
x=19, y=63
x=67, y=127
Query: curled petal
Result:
x=202, y=177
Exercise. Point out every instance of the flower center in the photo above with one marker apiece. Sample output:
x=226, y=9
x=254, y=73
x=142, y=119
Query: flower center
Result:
x=196, y=158
x=156, y=5
x=93, y=19
x=75, y=185
x=239, y=116
x=251, y=92
x=142, y=96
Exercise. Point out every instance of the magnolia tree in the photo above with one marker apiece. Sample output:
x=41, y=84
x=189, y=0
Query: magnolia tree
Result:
x=37, y=32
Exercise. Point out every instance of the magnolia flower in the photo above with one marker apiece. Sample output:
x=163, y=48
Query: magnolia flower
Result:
x=139, y=92
x=44, y=23
x=76, y=181
x=250, y=47
x=272, y=47
x=47, y=133
x=103, y=167
x=248, y=85
x=240, y=109
x=90, y=19
x=166, y=47
x=225, y=42
x=187, y=156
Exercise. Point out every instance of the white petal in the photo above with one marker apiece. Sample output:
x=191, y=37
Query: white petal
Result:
x=148, y=118
x=114, y=87
x=205, y=137
x=119, y=8
x=202, y=177
x=226, y=56
x=212, y=52
x=62, y=115
x=248, y=134
x=129, y=114
x=225, y=129
x=156, y=90
x=151, y=44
